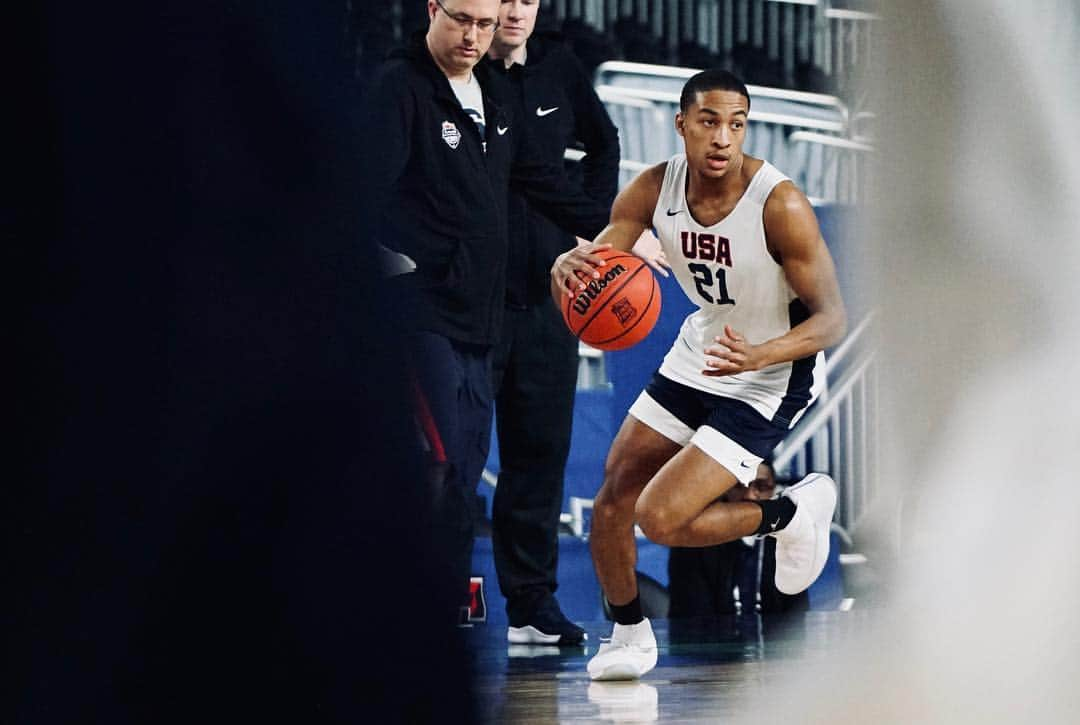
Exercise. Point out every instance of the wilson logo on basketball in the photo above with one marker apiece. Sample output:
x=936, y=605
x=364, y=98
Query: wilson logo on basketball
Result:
x=594, y=288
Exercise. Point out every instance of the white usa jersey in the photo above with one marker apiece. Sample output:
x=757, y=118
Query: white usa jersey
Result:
x=727, y=271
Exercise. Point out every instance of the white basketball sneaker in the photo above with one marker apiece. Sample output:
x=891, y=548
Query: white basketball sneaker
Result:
x=802, y=547
x=629, y=654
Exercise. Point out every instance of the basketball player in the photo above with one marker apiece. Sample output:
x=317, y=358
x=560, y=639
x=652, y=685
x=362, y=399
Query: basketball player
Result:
x=744, y=244
x=536, y=359
x=442, y=142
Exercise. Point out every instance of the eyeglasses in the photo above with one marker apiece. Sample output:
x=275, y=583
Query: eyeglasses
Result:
x=485, y=26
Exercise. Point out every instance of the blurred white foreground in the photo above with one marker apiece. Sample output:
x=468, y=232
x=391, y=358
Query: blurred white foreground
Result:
x=976, y=256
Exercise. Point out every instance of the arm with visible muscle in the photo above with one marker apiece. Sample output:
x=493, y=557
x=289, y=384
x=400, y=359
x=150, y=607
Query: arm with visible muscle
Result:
x=631, y=214
x=793, y=238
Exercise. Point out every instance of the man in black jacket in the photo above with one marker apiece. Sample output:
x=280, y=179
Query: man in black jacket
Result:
x=443, y=142
x=536, y=360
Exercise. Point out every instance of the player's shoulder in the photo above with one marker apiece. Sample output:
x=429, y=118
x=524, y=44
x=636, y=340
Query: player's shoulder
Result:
x=751, y=165
x=786, y=197
x=651, y=179
x=788, y=216
x=638, y=199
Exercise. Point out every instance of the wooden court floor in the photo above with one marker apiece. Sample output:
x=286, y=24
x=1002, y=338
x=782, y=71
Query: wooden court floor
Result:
x=705, y=670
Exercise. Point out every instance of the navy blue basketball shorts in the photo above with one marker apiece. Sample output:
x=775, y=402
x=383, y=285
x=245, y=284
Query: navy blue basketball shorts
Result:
x=729, y=431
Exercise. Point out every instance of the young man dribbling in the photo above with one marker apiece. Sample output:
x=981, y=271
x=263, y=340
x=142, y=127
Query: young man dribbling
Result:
x=745, y=246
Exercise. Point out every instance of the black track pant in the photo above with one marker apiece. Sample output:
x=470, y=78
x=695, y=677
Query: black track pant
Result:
x=534, y=375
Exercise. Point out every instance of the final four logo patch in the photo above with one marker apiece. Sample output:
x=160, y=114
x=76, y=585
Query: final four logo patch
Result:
x=450, y=134
x=624, y=311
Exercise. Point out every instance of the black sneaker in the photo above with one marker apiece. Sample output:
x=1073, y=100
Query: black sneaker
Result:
x=548, y=625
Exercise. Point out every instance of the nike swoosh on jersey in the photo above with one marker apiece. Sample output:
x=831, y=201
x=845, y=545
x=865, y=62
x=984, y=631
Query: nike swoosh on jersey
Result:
x=540, y=111
x=501, y=129
x=673, y=213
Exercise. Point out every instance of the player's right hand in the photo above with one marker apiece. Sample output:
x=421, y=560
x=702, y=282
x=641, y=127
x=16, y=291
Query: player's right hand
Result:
x=574, y=269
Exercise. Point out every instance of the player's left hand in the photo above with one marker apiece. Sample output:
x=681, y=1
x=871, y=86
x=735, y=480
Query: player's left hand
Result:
x=730, y=355
x=648, y=248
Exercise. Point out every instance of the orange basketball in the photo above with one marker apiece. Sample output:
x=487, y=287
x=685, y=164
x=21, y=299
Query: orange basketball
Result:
x=619, y=309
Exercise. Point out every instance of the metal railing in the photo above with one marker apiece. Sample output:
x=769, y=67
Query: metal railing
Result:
x=672, y=78
x=829, y=168
x=671, y=100
x=628, y=168
x=646, y=129
x=847, y=40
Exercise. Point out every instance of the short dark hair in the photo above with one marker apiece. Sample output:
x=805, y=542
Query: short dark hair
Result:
x=713, y=79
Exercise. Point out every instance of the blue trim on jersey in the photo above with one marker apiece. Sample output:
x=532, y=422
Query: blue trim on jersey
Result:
x=732, y=418
x=801, y=379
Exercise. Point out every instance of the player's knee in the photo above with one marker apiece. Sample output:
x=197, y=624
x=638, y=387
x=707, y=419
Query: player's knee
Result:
x=610, y=507
x=657, y=522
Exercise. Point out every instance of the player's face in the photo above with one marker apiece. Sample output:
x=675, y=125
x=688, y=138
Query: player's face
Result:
x=713, y=131
x=460, y=32
x=517, y=18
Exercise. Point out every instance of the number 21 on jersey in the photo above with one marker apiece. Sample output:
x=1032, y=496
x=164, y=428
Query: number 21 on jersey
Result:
x=711, y=285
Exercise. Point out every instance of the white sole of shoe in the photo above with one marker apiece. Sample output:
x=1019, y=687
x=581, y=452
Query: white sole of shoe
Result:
x=530, y=635
x=617, y=672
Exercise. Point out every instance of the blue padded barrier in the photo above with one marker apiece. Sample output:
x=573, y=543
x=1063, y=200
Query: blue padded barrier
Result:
x=590, y=439
x=579, y=592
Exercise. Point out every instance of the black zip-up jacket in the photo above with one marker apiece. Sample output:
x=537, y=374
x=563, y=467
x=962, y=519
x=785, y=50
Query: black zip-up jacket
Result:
x=434, y=194
x=562, y=111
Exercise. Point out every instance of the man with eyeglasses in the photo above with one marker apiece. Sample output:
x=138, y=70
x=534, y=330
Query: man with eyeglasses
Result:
x=442, y=141
x=536, y=359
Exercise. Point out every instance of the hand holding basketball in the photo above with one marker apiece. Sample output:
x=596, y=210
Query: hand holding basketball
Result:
x=574, y=268
x=616, y=300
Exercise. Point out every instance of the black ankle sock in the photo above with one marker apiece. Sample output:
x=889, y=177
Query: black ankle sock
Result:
x=775, y=514
x=629, y=613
